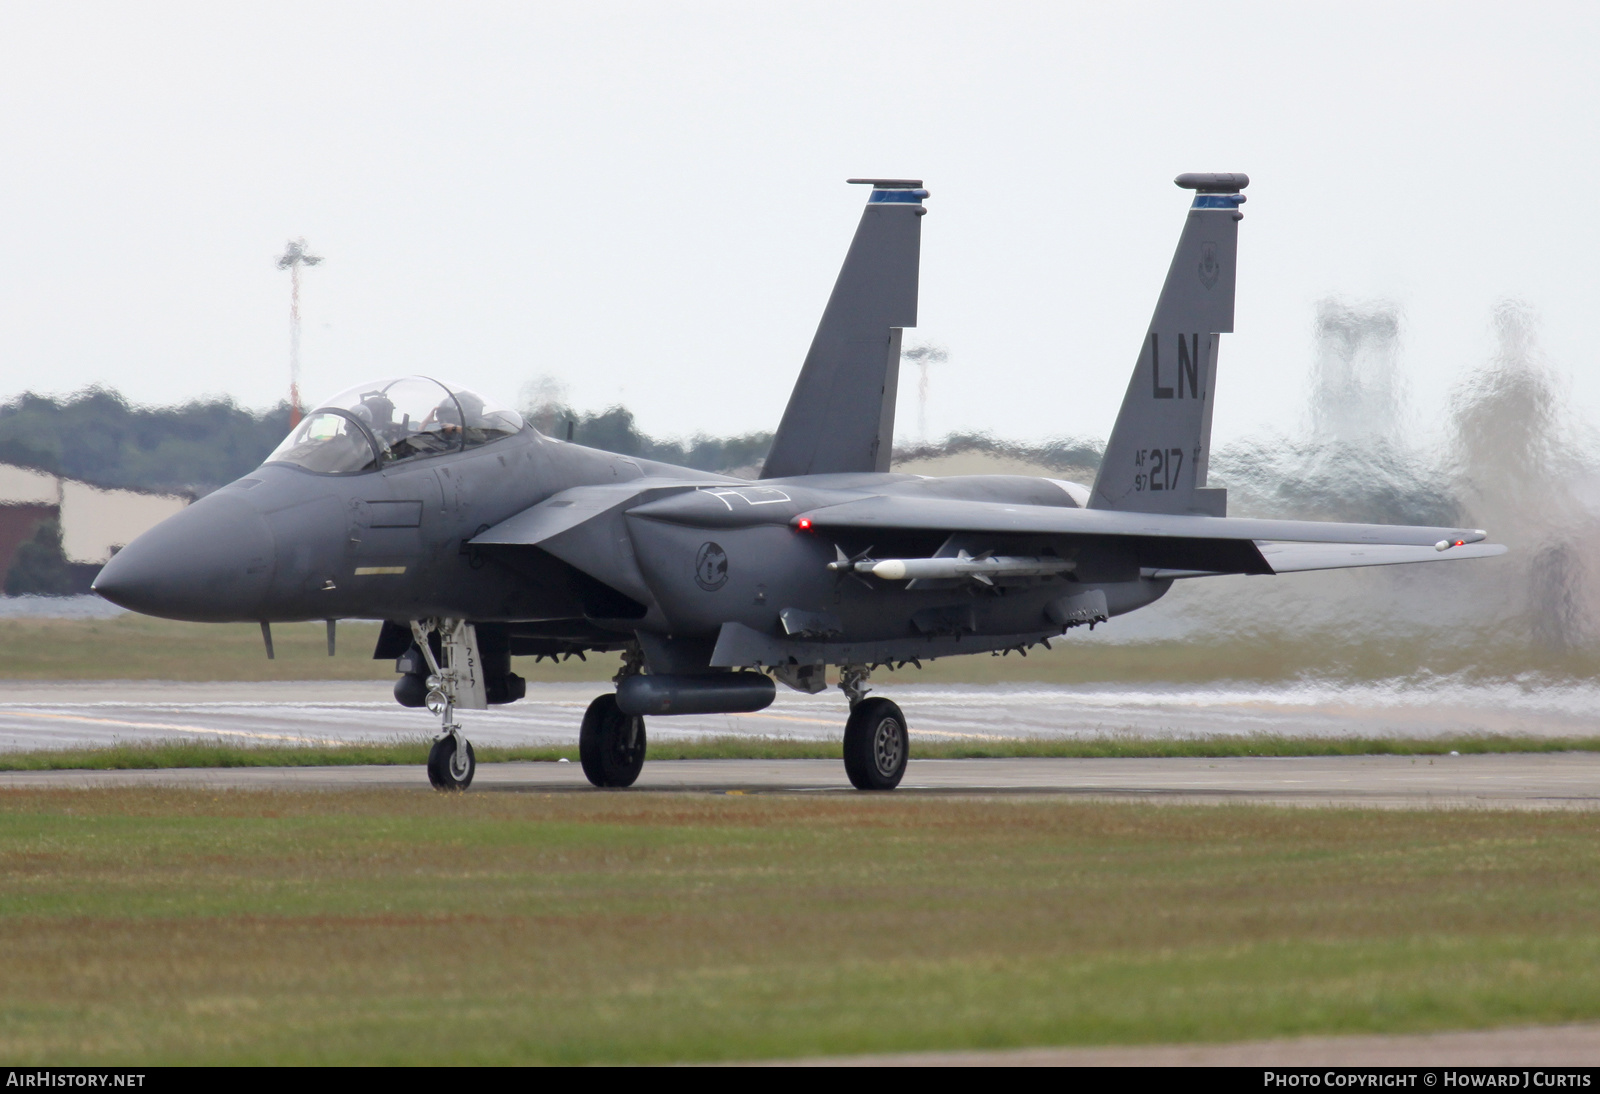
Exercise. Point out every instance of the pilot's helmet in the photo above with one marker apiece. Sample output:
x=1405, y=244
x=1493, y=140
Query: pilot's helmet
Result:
x=376, y=410
x=446, y=417
x=471, y=407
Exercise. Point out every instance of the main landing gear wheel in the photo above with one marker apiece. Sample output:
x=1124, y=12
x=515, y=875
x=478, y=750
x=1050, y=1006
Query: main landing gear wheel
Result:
x=876, y=745
x=450, y=767
x=611, y=744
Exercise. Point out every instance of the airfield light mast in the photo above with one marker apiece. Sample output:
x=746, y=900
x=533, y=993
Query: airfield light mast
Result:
x=295, y=256
x=924, y=356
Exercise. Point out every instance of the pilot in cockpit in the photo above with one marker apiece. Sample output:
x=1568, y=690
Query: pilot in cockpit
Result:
x=376, y=412
x=445, y=420
x=407, y=418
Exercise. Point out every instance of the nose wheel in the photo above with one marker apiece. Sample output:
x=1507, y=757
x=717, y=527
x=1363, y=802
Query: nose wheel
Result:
x=876, y=745
x=611, y=744
x=451, y=763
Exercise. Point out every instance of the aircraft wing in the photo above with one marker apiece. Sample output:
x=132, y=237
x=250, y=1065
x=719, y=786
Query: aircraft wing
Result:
x=582, y=526
x=1289, y=558
x=948, y=515
x=569, y=509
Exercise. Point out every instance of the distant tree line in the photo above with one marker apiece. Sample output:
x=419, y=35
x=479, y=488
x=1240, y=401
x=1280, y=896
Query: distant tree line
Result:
x=97, y=436
x=614, y=430
x=40, y=567
x=1059, y=454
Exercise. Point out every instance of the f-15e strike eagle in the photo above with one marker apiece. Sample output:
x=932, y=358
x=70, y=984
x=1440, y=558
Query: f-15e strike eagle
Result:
x=477, y=539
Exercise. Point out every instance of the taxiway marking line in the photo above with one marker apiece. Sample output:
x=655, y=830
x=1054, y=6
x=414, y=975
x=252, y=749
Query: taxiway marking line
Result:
x=948, y=733
x=793, y=718
x=831, y=722
x=171, y=725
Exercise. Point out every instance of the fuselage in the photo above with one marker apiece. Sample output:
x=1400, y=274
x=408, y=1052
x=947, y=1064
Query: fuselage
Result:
x=397, y=542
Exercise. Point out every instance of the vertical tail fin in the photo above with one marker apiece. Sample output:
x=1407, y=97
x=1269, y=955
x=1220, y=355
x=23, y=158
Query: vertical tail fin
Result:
x=841, y=414
x=1157, y=457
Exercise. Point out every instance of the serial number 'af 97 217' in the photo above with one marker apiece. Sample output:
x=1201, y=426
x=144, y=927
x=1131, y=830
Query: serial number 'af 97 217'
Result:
x=1161, y=468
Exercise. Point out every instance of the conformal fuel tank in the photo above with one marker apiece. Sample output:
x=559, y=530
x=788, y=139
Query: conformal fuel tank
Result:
x=713, y=693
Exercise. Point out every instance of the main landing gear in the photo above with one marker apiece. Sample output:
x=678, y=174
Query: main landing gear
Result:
x=876, y=743
x=611, y=744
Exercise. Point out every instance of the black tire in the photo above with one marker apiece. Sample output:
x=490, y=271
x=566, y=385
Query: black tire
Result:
x=443, y=771
x=611, y=744
x=876, y=745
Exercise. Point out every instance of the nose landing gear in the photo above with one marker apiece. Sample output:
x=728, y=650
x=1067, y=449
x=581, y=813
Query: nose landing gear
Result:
x=451, y=761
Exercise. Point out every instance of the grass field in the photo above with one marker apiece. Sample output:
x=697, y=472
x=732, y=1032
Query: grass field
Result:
x=134, y=647
x=202, y=753
x=147, y=926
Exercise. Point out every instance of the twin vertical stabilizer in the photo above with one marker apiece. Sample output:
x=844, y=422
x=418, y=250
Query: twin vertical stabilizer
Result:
x=840, y=417
x=1156, y=459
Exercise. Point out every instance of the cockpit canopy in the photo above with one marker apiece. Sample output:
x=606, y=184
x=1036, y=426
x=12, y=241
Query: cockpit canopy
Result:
x=372, y=425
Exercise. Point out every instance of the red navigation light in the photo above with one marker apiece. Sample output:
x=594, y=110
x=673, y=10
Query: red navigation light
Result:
x=805, y=524
x=1461, y=543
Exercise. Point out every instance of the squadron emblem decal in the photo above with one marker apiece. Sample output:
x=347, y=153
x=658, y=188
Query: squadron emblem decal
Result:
x=1210, y=268
x=711, y=567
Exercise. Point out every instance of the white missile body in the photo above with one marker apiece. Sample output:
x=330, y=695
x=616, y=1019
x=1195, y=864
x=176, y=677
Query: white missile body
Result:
x=984, y=568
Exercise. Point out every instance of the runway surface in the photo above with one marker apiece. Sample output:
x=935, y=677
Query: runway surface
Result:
x=1541, y=1047
x=77, y=714
x=86, y=714
x=1516, y=781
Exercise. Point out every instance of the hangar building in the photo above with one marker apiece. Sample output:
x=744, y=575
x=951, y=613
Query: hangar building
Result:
x=95, y=522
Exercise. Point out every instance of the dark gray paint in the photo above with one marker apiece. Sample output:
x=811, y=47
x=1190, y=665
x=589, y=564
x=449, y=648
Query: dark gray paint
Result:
x=550, y=547
x=1156, y=460
x=840, y=416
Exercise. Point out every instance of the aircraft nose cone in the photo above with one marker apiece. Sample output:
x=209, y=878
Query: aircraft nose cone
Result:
x=209, y=563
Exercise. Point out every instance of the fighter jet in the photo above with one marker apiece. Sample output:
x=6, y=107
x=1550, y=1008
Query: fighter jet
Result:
x=475, y=538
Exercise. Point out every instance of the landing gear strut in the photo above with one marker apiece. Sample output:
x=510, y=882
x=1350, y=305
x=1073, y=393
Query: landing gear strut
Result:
x=853, y=682
x=451, y=762
x=876, y=743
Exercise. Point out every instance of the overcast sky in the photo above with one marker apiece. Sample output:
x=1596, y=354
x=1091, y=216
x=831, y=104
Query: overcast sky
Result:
x=646, y=201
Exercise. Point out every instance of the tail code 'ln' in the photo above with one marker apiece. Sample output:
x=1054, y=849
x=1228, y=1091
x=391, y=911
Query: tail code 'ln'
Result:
x=1157, y=457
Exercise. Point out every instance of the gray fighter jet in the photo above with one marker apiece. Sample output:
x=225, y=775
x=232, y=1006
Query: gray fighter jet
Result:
x=477, y=539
